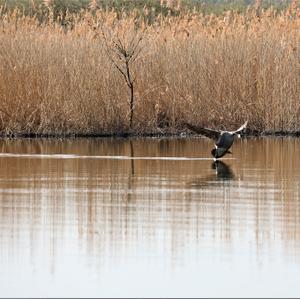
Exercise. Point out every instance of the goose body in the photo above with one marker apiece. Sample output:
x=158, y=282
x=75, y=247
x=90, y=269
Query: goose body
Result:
x=223, y=139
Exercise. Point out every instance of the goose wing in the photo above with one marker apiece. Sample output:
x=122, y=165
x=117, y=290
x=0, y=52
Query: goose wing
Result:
x=213, y=134
x=240, y=129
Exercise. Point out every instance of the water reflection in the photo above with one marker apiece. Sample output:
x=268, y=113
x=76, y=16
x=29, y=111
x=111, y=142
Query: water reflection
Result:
x=221, y=172
x=90, y=224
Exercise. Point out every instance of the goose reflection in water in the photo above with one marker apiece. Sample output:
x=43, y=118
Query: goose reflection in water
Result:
x=223, y=172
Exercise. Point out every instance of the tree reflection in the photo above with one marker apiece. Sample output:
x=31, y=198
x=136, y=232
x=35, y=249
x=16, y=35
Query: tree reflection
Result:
x=131, y=172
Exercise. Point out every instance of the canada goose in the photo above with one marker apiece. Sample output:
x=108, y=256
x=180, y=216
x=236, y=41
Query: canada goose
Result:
x=223, y=139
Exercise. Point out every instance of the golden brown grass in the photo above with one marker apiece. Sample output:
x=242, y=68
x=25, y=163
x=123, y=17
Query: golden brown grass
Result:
x=210, y=70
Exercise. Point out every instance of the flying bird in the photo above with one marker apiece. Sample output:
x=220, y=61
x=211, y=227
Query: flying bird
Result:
x=223, y=139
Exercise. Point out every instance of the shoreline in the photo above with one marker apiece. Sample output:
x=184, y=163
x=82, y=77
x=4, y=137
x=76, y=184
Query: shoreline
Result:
x=248, y=134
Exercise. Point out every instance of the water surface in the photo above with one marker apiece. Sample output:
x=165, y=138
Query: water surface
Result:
x=81, y=218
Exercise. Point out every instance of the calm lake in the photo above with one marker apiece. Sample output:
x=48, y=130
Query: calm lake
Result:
x=81, y=218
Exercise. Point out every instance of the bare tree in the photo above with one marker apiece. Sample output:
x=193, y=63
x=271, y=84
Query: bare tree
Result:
x=123, y=52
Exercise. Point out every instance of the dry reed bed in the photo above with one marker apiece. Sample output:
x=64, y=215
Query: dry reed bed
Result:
x=210, y=70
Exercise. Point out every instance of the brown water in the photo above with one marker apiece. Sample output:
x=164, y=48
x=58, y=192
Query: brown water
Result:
x=81, y=218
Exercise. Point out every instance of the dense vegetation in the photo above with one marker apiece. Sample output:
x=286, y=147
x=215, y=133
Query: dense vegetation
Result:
x=108, y=71
x=158, y=6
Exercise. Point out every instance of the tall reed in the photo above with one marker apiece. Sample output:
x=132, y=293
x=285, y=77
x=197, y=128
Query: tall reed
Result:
x=56, y=78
